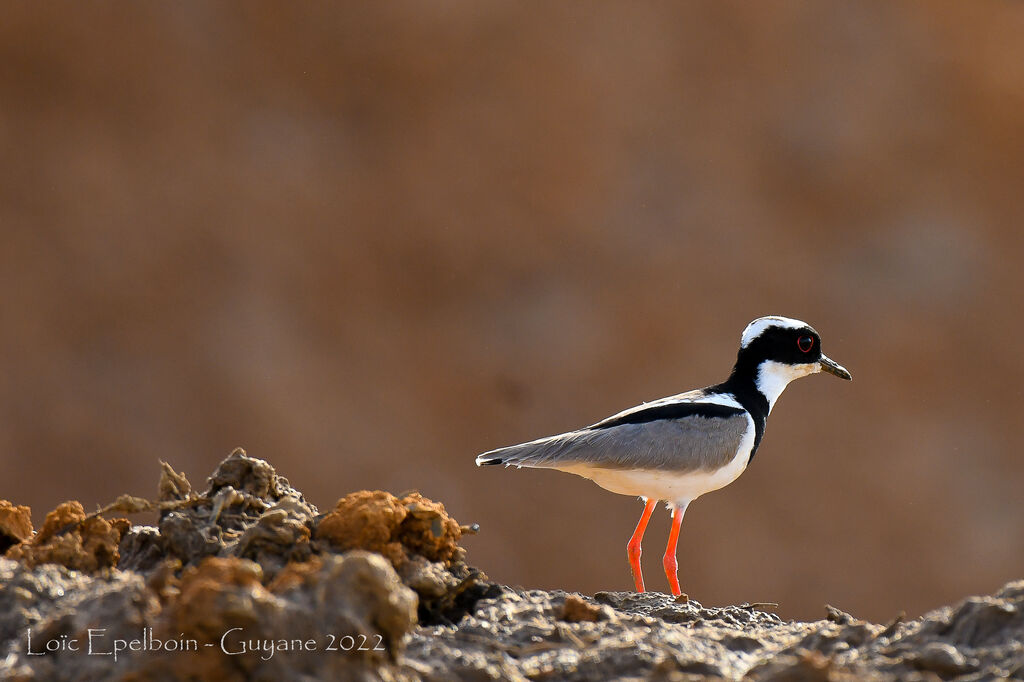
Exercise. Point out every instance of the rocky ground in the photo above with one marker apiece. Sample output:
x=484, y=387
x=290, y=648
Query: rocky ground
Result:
x=249, y=581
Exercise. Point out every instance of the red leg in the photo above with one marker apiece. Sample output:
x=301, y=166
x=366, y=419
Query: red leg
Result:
x=671, y=565
x=633, y=546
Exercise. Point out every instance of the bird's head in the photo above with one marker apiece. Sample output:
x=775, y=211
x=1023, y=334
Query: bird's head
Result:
x=777, y=350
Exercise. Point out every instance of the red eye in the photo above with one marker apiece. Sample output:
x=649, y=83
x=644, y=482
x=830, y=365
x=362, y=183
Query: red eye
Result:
x=805, y=344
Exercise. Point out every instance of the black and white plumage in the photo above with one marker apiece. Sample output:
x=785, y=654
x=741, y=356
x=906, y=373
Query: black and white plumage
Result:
x=681, y=447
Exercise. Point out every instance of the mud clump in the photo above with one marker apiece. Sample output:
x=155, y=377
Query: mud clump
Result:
x=420, y=540
x=72, y=539
x=380, y=522
x=15, y=525
x=367, y=520
x=576, y=609
x=427, y=530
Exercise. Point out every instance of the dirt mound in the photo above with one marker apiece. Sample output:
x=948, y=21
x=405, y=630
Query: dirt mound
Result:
x=248, y=581
x=243, y=581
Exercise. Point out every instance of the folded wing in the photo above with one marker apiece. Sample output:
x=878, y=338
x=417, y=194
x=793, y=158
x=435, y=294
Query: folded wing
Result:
x=671, y=435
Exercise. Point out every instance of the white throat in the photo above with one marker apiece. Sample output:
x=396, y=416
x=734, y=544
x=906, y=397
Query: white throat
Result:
x=773, y=377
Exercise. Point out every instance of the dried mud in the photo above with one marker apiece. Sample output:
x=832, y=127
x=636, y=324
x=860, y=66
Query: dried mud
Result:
x=378, y=588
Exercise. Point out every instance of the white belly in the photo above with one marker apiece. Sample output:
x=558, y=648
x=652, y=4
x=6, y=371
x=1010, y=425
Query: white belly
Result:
x=672, y=486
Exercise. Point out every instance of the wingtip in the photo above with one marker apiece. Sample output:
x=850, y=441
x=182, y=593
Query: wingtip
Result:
x=484, y=460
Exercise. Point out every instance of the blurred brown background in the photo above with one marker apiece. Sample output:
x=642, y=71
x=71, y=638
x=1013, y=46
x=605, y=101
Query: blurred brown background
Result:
x=369, y=242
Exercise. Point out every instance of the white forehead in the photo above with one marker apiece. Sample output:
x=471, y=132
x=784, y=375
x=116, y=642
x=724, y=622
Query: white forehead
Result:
x=758, y=327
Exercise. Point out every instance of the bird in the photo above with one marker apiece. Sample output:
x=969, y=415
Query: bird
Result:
x=680, y=447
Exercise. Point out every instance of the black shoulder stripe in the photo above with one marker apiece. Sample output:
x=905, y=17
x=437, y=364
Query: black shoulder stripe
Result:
x=670, y=411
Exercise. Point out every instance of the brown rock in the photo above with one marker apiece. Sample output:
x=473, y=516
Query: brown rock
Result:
x=430, y=579
x=216, y=595
x=378, y=521
x=280, y=535
x=173, y=485
x=578, y=610
x=248, y=474
x=15, y=524
x=367, y=598
x=295, y=574
x=365, y=520
x=64, y=515
x=73, y=540
x=428, y=530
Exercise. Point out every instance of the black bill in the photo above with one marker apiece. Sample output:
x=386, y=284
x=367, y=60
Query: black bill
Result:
x=833, y=367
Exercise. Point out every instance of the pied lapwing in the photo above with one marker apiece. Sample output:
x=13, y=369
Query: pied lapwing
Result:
x=678, y=448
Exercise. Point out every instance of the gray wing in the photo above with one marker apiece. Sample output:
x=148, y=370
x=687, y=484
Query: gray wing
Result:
x=686, y=443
